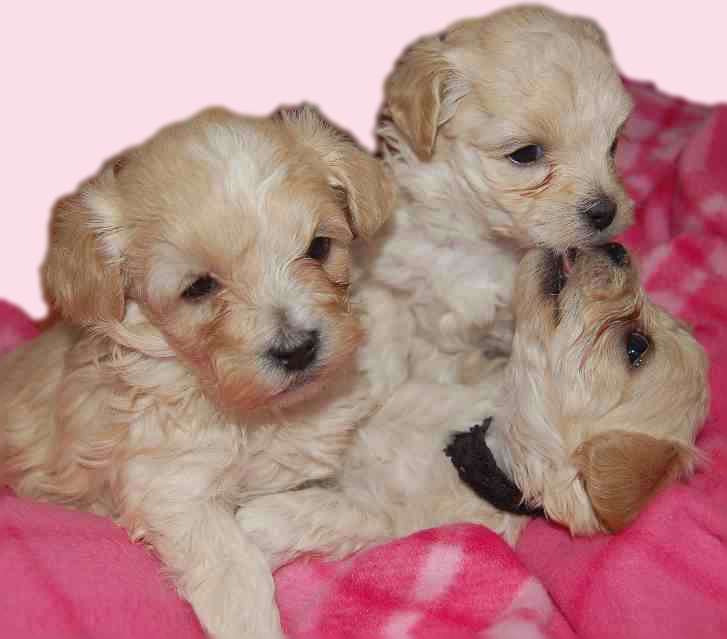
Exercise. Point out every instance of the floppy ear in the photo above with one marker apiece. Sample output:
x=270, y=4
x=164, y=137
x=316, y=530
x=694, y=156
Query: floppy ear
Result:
x=81, y=275
x=365, y=187
x=622, y=470
x=418, y=95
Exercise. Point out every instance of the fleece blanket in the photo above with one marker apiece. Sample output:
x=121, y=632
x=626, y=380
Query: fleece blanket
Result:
x=68, y=575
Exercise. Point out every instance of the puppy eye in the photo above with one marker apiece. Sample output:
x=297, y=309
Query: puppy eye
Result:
x=613, y=149
x=319, y=249
x=201, y=287
x=527, y=154
x=636, y=346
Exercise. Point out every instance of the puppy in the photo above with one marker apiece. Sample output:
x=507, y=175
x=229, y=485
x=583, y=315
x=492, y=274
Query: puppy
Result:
x=501, y=134
x=598, y=409
x=605, y=393
x=203, y=278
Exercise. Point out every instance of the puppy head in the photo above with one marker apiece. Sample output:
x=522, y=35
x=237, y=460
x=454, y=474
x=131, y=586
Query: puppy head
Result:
x=610, y=390
x=527, y=105
x=229, y=237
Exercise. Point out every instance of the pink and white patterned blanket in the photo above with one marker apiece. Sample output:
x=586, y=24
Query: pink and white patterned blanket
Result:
x=67, y=575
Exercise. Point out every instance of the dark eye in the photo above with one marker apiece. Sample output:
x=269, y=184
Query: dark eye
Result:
x=527, y=154
x=613, y=149
x=319, y=249
x=201, y=287
x=636, y=346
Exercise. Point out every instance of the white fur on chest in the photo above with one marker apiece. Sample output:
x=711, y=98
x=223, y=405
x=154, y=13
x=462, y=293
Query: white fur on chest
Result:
x=450, y=280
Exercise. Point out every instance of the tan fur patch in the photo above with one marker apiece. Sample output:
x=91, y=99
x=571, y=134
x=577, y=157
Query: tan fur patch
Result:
x=622, y=470
x=414, y=93
x=80, y=281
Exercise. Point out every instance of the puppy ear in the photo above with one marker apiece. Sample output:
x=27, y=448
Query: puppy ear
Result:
x=365, y=188
x=622, y=470
x=82, y=273
x=419, y=97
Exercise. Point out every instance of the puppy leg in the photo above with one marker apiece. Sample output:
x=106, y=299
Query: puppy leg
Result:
x=313, y=520
x=224, y=576
x=216, y=568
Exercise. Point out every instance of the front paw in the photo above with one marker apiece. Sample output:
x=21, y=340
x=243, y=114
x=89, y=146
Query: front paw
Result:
x=269, y=522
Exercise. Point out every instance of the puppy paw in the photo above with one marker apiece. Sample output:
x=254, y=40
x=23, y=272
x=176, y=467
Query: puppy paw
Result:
x=270, y=523
x=478, y=469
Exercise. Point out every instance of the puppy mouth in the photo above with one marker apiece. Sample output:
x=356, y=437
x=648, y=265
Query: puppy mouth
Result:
x=557, y=268
x=556, y=271
x=298, y=386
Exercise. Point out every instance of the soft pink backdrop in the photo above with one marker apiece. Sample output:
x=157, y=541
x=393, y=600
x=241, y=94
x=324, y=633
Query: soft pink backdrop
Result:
x=81, y=81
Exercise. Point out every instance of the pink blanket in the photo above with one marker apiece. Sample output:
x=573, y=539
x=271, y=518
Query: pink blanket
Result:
x=70, y=575
x=666, y=576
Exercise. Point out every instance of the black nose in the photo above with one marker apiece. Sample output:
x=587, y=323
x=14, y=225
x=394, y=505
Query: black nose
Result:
x=616, y=253
x=299, y=357
x=601, y=213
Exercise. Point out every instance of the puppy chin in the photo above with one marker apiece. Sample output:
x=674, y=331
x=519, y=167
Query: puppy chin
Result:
x=301, y=387
x=270, y=387
x=559, y=236
x=262, y=392
x=306, y=385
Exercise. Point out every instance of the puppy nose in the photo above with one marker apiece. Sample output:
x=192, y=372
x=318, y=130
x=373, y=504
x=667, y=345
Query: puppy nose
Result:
x=616, y=253
x=299, y=357
x=601, y=213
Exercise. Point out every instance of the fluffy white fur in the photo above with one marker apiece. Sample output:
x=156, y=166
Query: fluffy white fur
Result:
x=180, y=271
x=457, y=104
x=585, y=433
x=166, y=413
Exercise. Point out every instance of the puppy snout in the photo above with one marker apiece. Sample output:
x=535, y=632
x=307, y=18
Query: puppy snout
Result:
x=299, y=354
x=618, y=255
x=600, y=213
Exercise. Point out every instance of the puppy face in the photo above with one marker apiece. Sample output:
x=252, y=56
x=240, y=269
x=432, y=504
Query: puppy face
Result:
x=527, y=105
x=612, y=389
x=230, y=237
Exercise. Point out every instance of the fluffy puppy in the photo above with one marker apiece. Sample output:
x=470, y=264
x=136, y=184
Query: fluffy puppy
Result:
x=605, y=393
x=501, y=134
x=600, y=406
x=203, y=277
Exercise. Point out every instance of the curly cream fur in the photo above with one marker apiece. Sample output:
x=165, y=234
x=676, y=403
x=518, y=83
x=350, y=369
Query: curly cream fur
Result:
x=456, y=104
x=164, y=412
x=568, y=387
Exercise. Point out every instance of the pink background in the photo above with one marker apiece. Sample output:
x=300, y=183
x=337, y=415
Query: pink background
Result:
x=79, y=84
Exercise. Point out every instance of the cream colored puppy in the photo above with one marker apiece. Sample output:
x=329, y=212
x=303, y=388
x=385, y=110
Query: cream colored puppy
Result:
x=204, y=278
x=601, y=403
x=501, y=134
